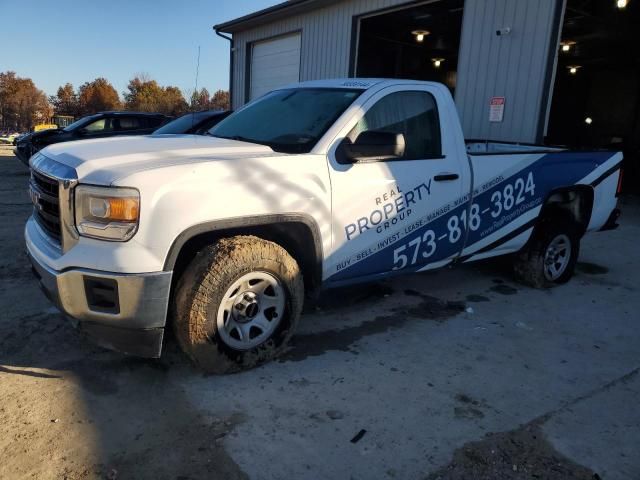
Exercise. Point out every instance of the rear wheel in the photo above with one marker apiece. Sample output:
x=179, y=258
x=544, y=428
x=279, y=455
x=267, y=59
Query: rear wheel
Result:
x=237, y=304
x=551, y=256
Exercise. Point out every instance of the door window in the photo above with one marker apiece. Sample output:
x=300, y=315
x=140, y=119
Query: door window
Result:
x=414, y=114
x=99, y=126
x=130, y=123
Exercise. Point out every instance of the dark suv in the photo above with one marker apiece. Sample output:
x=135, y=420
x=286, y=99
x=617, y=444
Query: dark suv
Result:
x=100, y=125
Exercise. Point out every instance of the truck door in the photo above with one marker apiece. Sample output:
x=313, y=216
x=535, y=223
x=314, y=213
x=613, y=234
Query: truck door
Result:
x=391, y=215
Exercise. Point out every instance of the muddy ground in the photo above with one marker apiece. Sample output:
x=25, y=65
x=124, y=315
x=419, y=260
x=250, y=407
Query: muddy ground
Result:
x=460, y=374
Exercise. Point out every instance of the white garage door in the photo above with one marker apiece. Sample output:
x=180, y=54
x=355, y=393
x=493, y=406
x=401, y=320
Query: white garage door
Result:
x=274, y=63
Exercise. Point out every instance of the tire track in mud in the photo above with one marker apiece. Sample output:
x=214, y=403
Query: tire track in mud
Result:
x=315, y=344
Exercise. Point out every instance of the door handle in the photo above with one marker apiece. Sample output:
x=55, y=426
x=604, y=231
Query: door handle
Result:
x=446, y=177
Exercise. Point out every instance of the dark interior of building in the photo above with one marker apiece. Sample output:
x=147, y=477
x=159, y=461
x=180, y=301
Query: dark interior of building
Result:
x=596, y=99
x=596, y=96
x=420, y=43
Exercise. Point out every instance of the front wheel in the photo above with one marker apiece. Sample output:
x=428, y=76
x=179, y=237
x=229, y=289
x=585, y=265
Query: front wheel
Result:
x=551, y=256
x=237, y=304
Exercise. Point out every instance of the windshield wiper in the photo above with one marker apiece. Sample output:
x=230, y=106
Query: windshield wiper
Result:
x=240, y=138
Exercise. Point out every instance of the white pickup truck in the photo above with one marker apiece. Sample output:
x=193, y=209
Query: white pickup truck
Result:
x=319, y=184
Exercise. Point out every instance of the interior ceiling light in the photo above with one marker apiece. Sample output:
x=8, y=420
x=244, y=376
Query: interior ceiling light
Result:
x=566, y=46
x=420, y=34
x=573, y=69
x=588, y=120
x=621, y=4
x=437, y=62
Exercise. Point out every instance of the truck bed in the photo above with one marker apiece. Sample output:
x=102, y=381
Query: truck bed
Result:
x=523, y=175
x=488, y=147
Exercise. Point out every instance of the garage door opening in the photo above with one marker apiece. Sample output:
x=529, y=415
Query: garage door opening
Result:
x=596, y=98
x=274, y=63
x=419, y=43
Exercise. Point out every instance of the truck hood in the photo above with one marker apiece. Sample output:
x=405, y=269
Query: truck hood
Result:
x=102, y=161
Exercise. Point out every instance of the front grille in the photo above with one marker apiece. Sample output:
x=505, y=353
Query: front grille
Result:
x=45, y=195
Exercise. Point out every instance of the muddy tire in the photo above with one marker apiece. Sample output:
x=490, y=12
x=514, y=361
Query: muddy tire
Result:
x=550, y=257
x=237, y=304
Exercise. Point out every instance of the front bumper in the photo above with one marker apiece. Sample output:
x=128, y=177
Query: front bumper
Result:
x=123, y=312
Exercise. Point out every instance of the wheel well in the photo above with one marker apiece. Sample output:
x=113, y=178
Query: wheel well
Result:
x=575, y=203
x=295, y=237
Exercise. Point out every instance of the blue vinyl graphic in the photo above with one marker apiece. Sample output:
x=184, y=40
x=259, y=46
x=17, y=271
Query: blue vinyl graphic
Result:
x=441, y=234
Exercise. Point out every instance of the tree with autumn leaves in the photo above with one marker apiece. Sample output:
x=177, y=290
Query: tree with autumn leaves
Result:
x=201, y=100
x=98, y=96
x=65, y=101
x=92, y=97
x=142, y=95
x=22, y=105
x=145, y=95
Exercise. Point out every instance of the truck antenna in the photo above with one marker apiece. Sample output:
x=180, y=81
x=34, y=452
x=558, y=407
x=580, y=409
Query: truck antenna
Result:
x=195, y=91
x=197, y=68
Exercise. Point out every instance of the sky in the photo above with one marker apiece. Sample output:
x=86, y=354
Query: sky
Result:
x=60, y=41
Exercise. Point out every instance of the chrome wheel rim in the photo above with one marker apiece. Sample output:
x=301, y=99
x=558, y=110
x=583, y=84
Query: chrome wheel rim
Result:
x=250, y=311
x=557, y=256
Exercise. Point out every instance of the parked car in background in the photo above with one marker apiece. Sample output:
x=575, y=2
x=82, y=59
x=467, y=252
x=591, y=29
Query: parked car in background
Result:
x=194, y=123
x=100, y=125
x=8, y=138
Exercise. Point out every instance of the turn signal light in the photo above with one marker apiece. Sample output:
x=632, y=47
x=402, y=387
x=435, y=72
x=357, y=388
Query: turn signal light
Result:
x=116, y=209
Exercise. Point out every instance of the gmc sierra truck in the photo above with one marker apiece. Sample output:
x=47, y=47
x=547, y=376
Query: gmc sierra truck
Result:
x=316, y=185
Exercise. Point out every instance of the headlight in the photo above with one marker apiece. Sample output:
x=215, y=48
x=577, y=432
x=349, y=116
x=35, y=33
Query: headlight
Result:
x=107, y=213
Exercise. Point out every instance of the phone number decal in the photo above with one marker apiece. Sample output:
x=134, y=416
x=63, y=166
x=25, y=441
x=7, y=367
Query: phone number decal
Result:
x=502, y=202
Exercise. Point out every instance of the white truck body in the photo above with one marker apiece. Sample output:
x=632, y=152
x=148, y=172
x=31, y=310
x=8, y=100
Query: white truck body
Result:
x=368, y=219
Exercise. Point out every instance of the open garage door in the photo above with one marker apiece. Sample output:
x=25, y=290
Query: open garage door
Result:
x=274, y=63
x=596, y=99
x=418, y=42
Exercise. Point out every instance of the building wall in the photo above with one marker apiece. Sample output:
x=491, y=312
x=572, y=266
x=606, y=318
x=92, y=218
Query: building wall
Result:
x=515, y=66
x=326, y=41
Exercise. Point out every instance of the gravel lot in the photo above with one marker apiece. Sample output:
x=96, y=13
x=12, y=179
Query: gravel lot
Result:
x=457, y=374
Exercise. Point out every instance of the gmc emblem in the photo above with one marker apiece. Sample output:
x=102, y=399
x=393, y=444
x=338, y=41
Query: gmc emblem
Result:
x=35, y=197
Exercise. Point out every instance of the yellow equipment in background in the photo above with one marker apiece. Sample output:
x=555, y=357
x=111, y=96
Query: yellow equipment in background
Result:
x=44, y=126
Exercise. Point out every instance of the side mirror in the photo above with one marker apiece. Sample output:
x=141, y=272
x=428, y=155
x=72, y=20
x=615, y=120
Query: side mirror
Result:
x=372, y=146
x=81, y=132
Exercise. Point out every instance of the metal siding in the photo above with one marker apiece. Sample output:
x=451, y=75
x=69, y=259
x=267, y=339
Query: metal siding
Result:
x=326, y=41
x=514, y=66
x=274, y=62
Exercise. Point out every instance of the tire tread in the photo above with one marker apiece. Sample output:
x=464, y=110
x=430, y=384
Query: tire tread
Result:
x=207, y=278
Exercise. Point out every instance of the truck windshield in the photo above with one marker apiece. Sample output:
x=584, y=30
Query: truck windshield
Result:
x=289, y=121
